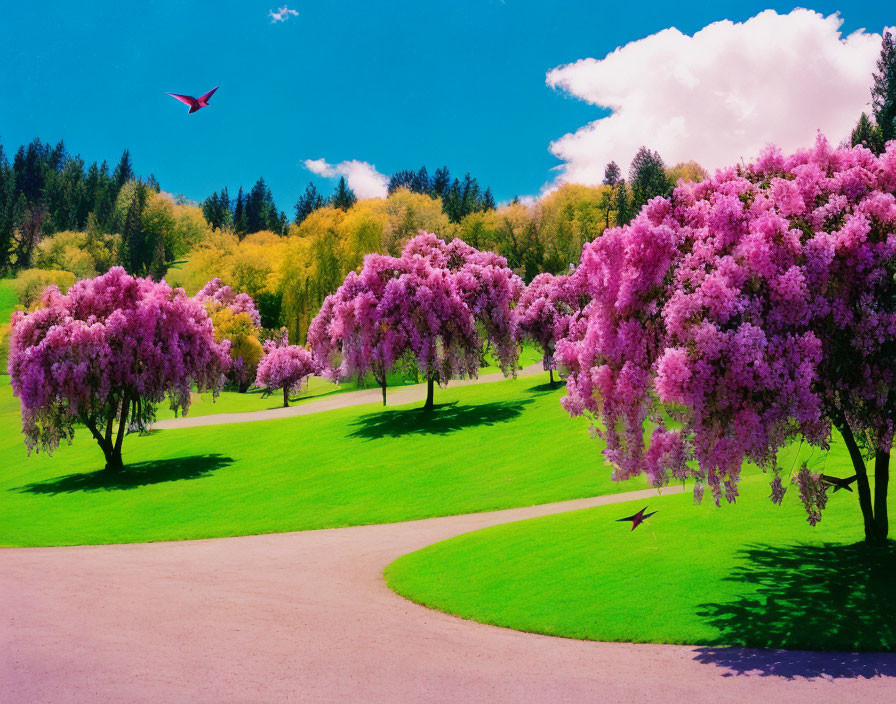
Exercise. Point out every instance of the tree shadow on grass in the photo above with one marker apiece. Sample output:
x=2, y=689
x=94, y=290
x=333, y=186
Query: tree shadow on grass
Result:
x=132, y=476
x=545, y=388
x=829, y=597
x=443, y=419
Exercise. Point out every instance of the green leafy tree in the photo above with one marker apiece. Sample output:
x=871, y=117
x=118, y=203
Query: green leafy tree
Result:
x=648, y=178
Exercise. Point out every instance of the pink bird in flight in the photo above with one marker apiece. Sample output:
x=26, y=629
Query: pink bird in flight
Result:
x=638, y=518
x=195, y=103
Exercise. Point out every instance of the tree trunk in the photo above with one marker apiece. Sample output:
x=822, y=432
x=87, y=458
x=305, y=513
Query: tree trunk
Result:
x=383, y=387
x=551, y=372
x=881, y=483
x=429, y=405
x=286, y=397
x=113, y=459
x=874, y=516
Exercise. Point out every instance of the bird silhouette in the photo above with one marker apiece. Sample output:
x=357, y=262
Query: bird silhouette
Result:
x=839, y=483
x=638, y=518
x=195, y=103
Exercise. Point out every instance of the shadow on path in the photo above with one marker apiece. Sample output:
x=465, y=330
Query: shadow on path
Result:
x=443, y=419
x=132, y=476
x=828, y=597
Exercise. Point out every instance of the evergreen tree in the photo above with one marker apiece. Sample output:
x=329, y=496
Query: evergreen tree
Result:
x=488, y=200
x=867, y=134
x=883, y=90
x=308, y=202
x=258, y=207
x=344, y=197
x=124, y=172
x=648, y=178
x=213, y=211
x=239, y=214
x=441, y=181
x=134, y=251
x=621, y=204
x=612, y=174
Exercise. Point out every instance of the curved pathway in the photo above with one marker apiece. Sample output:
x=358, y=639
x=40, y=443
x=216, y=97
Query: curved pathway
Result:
x=307, y=617
x=396, y=397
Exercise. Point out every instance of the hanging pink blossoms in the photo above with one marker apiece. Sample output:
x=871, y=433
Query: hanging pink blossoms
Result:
x=110, y=349
x=755, y=307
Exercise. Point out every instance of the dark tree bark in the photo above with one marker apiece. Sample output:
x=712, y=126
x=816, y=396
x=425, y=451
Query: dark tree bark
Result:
x=874, y=515
x=430, y=394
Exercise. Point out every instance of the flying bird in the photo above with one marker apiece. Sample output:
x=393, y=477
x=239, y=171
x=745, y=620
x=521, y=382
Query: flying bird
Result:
x=638, y=518
x=839, y=483
x=195, y=103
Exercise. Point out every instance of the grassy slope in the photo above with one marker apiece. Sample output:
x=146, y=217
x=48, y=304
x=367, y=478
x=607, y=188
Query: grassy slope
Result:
x=749, y=574
x=346, y=467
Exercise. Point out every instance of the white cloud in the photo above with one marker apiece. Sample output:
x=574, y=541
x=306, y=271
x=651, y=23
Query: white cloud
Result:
x=363, y=178
x=282, y=14
x=720, y=95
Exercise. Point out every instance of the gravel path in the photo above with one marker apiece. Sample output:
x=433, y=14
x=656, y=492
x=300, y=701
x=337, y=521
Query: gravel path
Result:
x=307, y=617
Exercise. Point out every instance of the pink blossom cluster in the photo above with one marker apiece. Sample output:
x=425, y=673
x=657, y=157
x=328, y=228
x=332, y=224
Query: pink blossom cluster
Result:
x=286, y=368
x=746, y=310
x=435, y=302
x=111, y=340
x=215, y=295
x=544, y=312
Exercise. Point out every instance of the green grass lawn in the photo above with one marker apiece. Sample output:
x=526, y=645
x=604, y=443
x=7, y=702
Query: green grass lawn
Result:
x=749, y=574
x=486, y=447
x=8, y=300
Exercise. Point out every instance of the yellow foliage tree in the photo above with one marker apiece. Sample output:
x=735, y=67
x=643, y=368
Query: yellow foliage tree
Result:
x=246, y=350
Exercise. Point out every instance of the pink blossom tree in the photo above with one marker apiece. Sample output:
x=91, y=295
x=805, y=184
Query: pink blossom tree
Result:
x=754, y=308
x=286, y=368
x=542, y=314
x=215, y=296
x=435, y=303
x=112, y=347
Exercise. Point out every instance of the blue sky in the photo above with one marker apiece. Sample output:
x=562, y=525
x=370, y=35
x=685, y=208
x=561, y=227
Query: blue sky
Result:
x=396, y=84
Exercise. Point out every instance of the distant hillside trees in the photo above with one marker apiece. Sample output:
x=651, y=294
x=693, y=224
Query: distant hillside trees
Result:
x=252, y=212
x=460, y=197
x=57, y=211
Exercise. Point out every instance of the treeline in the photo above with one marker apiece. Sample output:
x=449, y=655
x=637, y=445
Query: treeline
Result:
x=459, y=197
x=58, y=213
x=290, y=276
x=256, y=211
x=253, y=212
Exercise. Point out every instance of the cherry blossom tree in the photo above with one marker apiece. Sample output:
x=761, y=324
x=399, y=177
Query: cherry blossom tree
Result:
x=543, y=312
x=112, y=347
x=755, y=308
x=286, y=368
x=436, y=303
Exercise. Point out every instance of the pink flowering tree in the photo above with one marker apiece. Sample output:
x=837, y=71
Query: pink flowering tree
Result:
x=110, y=349
x=435, y=303
x=542, y=314
x=286, y=368
x=754, y=308
x=349, y=337
x=215, y=296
